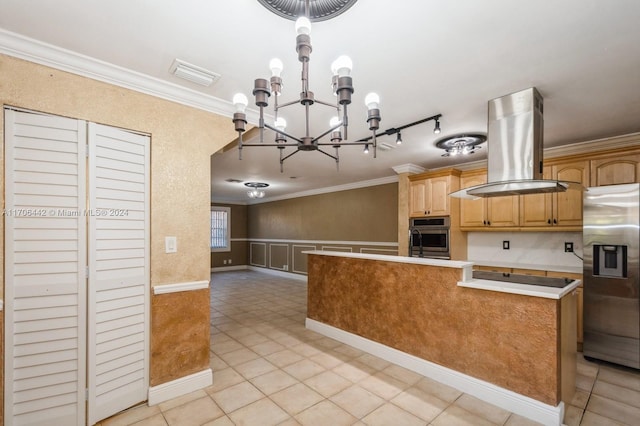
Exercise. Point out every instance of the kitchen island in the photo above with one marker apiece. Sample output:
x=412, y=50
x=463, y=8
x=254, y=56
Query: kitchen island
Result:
x=508, y=344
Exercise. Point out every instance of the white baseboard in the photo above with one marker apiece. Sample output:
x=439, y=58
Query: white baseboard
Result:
x=282, y=274
x=496, y=395
x=179, y=387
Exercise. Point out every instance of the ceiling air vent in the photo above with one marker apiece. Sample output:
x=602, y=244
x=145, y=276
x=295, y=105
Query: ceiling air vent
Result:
x=193, y=73
x=383, y=146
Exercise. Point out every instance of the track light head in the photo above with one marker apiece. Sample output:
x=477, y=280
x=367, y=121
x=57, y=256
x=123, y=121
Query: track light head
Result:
x=436, y=129
x=398, y=138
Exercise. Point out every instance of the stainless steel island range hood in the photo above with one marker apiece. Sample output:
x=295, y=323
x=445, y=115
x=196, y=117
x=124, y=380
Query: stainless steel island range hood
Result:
x=515, y=149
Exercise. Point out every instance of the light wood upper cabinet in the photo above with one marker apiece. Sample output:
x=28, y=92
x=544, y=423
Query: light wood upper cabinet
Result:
x=486, y=212
x=614, y=170
x=473, y=213
x=429, y=194
x=568, y=204
x=417, y=198
x=556, y=209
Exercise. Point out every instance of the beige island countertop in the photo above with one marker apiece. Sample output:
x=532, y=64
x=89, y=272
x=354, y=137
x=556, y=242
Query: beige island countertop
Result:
x=508, y=345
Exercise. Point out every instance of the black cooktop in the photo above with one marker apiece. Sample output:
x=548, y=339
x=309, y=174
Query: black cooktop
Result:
x=522, y=279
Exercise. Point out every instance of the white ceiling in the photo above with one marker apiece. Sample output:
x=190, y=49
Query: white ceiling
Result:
x=423, y=57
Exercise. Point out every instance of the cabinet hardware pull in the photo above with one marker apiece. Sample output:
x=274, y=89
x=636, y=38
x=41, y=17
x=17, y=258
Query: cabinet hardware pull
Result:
x=555, y=221
x=549, y=221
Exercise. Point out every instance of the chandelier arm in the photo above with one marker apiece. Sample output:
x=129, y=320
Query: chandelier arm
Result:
x=325, y=103
x=271, y=144
x=294, y=152
x=328, y=155
x=282, y=133
x=343, y=143
x=326, y=133
x=297, y=101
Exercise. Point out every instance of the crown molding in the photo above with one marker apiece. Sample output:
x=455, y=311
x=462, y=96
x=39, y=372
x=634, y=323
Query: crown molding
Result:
x=603, y=144
x=329, y=189
x=28, y=49
x=596, y=145
x=408, y=168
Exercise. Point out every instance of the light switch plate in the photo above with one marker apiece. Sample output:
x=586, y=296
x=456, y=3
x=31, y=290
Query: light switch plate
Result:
x=170, y=245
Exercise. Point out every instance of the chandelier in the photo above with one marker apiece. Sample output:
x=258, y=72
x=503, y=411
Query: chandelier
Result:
x=342, y=86
x=341, y=83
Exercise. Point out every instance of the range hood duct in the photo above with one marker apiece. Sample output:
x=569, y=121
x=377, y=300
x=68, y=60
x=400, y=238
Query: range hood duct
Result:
x=515, y=149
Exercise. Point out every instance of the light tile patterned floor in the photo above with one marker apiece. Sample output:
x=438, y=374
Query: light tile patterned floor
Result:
x=270, y=370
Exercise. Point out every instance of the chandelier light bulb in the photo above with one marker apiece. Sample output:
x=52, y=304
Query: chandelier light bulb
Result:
x=276, y=67
x=280, y=124
x=335, y=121
x=342, y=66
x=303, y=25
x=240, y=101
x=372, y=101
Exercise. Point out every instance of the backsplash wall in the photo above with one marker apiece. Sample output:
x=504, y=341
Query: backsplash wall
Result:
x=526, y=248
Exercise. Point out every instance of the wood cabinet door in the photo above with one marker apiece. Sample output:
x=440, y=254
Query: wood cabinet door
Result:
x=437, y=196
x=503, y=211
x=473, y=212
x=537, y=209
x=615, y=170
x=417, y=200
x=567, y=208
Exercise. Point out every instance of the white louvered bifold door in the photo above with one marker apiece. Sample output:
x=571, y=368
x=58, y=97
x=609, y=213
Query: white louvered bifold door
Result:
x=45, y=267
x=118, y=270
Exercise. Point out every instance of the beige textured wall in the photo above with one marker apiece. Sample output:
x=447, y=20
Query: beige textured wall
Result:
x=182, y=140
x=403, y=214
x=363, y=214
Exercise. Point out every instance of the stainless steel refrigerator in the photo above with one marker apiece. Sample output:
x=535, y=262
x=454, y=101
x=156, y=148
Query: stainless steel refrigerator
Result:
x=611, y=277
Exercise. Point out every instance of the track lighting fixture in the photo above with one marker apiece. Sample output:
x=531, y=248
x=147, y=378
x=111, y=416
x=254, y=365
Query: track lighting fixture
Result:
x=399, y=139
x=366, y=148
x=436, y=129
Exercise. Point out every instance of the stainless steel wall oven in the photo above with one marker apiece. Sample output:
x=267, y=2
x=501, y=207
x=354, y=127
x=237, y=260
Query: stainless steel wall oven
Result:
x=429, y=237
